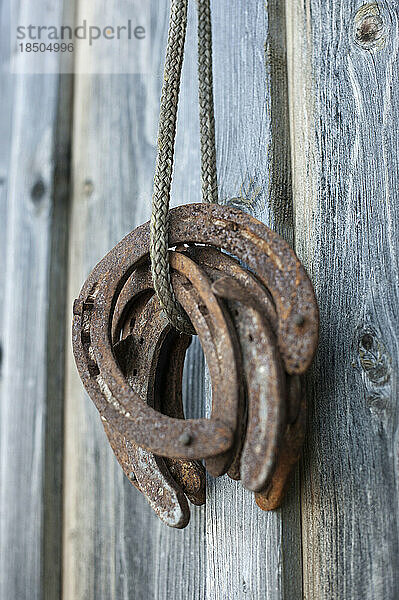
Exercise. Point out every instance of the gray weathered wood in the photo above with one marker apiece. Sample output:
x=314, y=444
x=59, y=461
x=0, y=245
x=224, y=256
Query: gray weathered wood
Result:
x=34, y=217
x=345, y=110
x=251, y=553
x=338, y=207
x=6, y=100
x=114, y=546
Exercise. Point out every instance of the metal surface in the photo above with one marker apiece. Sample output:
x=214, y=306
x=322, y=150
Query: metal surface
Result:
x=290, y=452
x=265, y=384
x=263, y=375
x=143, y=338
x=258, y=329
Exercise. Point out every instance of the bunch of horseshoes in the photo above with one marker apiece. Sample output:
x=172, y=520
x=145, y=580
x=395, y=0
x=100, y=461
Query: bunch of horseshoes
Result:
x=252, y=305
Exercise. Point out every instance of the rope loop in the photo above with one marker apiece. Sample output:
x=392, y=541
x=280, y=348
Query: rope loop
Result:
x=159, y=242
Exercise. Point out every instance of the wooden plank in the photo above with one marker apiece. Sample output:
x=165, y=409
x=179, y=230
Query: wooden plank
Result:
x=6, y=104
x=114, y=546
x=34, y=211
x=55, y=347
x=251, y=553
x=343, y=69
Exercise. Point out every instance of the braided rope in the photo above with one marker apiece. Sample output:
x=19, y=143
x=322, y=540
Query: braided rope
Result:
x=207, y=118
x=166, y=139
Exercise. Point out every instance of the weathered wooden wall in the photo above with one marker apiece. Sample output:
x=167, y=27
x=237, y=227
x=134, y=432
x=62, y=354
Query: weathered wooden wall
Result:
x=34, y=200
x=306, y=103
x=345, y=111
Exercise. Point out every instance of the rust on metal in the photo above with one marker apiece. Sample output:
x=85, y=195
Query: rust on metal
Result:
x=265, y=384
x=220, y=345
x=290, y=452
x=253, y=307
x=138, y=353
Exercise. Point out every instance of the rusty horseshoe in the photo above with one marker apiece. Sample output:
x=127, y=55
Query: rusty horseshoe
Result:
x=253, y=307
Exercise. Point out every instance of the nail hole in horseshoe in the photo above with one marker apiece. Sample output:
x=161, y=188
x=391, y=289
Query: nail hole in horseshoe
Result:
x=203, y=310
x=93, y=369
x=85, y=337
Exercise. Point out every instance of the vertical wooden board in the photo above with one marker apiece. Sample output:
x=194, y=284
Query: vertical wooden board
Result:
x=6, y=111
x=251, y=553
x=343, y=86
x=114, y=545
x=55, y=346
x=181, y=568
x=30, y=105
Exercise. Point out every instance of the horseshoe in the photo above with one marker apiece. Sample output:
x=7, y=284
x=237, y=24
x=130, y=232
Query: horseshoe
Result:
x=276, y=266
x=215, y=331
x=159, y=383
x=147, y=472
x=208, y=317
x=265, y=383
x=263, y=372
x=272, y=496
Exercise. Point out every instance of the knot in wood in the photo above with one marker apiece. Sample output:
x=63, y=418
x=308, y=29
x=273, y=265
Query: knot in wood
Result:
x=370, y=31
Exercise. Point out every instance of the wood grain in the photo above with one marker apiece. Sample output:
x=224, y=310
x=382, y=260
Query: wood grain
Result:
x=31, y=418
x=251, y=553
x=343, y=85
x=114, y=546
x=307, y=142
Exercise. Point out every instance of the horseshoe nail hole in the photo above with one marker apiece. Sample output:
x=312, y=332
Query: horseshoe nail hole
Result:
x=299, y=320
x=203, y=310
x=134, y=372
x=185, y=439
x=93, y=369
x=88, y=304
x=141, y=341
x=85, y=337
x=250, y=337
x=236, y=313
